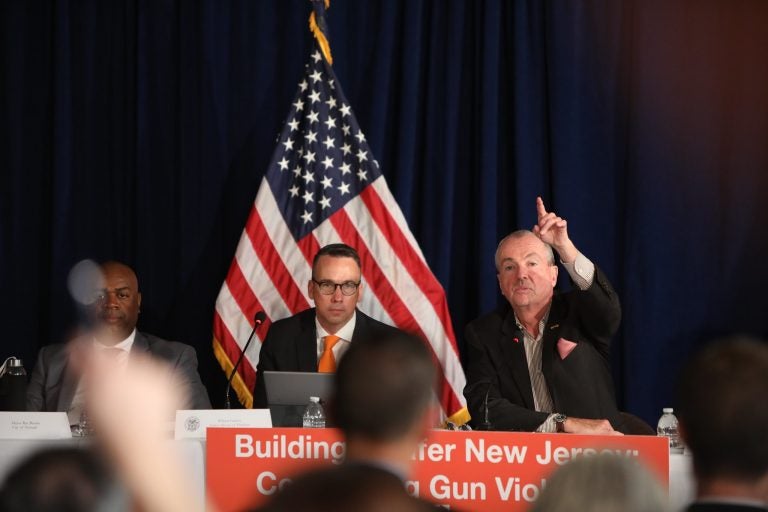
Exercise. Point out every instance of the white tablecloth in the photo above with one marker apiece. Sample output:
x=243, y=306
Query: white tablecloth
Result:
x=12, y=451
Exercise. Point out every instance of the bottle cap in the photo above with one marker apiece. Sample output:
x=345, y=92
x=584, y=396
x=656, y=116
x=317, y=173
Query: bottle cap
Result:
x=314, y=399
x=667, y=410
x=15, y=363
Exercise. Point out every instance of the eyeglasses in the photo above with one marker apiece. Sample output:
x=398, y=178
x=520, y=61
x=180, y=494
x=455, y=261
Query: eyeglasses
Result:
x=329, y=287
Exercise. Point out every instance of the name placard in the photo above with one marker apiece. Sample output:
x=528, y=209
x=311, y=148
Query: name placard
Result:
x=488, y=471
x=192, y=424
x=34, y=425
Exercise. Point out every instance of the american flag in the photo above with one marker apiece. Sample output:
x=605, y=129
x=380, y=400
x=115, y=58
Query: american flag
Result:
x=323, y=186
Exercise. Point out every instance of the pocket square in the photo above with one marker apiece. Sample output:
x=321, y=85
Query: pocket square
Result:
x=564, y=347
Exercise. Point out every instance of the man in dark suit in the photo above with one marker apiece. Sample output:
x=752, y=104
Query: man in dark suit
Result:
x=724, y=422
x=383, y=404
x=315, y=339
x=56, y=386
x=541, y=362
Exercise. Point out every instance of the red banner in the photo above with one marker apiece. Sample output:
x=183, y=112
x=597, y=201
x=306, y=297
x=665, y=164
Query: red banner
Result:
x=484, y=471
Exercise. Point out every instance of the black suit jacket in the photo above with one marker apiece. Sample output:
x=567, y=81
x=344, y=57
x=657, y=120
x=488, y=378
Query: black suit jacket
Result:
x=580, y=385
x=291, y=346
x=52, y=385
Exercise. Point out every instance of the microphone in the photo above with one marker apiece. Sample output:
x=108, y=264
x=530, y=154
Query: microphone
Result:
x=257, y=321
x=486, y=424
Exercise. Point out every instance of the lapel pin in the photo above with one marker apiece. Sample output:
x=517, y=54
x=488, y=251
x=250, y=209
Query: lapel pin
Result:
x=554, y=326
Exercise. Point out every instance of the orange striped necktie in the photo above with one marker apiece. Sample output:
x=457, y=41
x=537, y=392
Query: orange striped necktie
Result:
x=327, y=362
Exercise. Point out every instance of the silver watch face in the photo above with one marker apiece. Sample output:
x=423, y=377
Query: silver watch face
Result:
x=560, y=418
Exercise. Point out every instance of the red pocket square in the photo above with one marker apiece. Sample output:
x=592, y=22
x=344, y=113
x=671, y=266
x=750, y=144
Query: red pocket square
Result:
x=564, y=347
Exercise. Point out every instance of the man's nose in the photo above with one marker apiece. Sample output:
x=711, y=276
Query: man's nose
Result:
x=110, y=299
x=337, y=295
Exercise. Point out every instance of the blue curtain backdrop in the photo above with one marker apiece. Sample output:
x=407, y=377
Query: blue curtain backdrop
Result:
x=140, y=129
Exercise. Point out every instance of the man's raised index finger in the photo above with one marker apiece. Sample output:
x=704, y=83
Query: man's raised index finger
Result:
x=540, y=207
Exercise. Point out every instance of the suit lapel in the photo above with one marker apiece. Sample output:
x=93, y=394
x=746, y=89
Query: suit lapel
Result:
x=68, y=388
x=514, y=355
x=306, y=345
x=361, y=326
x=549, y=342
x=140, y=345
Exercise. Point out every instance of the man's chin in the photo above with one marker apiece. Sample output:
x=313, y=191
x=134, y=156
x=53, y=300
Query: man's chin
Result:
x=337, y=317
x=110, y=333
x=520, y=302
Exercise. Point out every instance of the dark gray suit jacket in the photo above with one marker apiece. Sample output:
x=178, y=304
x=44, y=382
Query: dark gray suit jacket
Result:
x=580, y=385
x=52, y=386
x=291, y=346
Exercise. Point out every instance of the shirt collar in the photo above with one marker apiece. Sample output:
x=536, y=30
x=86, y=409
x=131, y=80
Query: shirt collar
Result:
x=542, y=323
x=124, y=345
x=345, y=333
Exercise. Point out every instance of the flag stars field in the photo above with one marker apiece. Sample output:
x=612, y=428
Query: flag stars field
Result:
x=321, y=150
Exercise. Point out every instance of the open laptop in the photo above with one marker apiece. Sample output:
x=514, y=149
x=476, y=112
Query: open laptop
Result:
x=288, y=394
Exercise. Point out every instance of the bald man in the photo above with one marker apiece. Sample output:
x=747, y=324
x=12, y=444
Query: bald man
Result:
x=56, y=386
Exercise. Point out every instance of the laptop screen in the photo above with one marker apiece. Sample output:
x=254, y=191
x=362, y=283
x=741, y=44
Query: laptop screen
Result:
x=288, y=394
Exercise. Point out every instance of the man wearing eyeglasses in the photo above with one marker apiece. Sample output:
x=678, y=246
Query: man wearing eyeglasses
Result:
x=316, y=339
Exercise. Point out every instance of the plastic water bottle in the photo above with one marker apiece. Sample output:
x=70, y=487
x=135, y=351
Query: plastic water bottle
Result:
x=314, y=415
x=667, y=427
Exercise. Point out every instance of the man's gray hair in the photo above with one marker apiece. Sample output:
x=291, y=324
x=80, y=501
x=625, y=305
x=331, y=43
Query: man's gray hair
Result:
x=522, y=233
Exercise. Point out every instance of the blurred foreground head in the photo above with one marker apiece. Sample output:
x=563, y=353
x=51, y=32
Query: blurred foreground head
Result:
x=722, y=412
x=603, y=483
x=384, y=388
x=60, y=480
x=346, y=488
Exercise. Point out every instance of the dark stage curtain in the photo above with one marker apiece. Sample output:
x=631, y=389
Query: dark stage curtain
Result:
x=139, y=130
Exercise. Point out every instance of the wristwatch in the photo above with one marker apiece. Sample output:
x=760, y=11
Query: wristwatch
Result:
x=560, y=422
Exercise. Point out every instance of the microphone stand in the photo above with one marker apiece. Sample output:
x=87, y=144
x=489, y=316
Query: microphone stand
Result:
x=486, y=424
x=257, y=321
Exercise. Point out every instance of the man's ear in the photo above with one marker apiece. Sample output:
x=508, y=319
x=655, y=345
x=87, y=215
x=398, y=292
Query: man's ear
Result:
x=311, y=289
x=553, y=274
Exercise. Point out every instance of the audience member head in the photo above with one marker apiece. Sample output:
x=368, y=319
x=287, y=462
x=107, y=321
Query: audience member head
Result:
x=351, y=488
x=335, y=286
x=602, y=483
x=526, y=270
x=722, y=413
x=116, y=307
x=59, y=480
x=384, y=389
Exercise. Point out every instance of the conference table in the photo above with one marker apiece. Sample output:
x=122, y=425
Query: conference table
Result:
x=12, y=451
